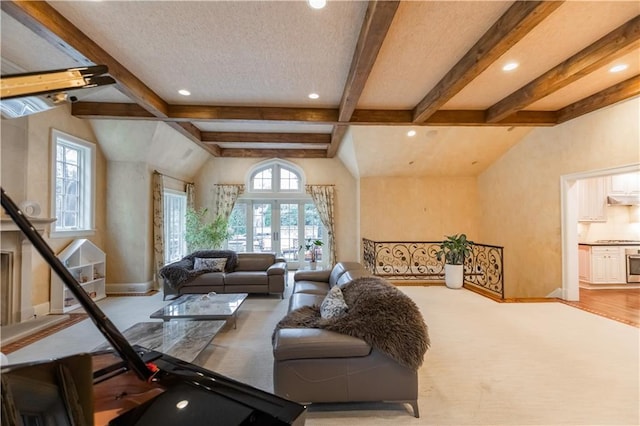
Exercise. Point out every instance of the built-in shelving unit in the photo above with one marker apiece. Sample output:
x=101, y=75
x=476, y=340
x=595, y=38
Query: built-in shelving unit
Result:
x=86, y=262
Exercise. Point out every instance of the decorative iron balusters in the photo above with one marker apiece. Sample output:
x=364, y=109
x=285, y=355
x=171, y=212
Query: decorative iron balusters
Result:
x=418, y=261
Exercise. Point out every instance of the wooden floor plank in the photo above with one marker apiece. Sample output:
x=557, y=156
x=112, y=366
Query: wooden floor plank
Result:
x=619, y=305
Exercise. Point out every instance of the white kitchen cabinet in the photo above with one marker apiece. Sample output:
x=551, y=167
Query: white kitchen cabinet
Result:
x=86, y=262
x=624, y=184
x=584, y=263
x=592, y=200
x=607, y=265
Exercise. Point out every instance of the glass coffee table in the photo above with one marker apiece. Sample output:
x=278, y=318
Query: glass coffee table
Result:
x=202, y=307
x=180, y=339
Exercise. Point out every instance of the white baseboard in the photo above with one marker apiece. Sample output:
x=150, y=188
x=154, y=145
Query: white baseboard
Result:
x=41, y=309
x=123, y=288
x=557, y=293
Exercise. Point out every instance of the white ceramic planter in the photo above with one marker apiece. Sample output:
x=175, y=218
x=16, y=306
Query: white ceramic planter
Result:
x=453, y=275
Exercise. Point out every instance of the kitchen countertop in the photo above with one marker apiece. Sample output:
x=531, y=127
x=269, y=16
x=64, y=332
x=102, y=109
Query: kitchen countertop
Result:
x=610, y=243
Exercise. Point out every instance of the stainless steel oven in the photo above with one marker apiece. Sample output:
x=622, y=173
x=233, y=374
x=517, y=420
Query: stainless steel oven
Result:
x=633, y=265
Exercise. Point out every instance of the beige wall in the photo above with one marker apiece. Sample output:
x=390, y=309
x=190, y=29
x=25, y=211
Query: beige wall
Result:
x=317, y=172
x=418, y=209
x=520, y=193
x=30, y=166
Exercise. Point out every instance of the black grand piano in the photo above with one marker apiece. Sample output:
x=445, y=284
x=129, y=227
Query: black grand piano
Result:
x=128, y=385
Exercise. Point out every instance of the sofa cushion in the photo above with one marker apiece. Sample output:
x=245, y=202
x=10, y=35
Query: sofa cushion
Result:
x=351, y=275
x=299, y=300
x=299, y=343
x=341, y=268
x=213, y=264
x=246, y=278
x=311, y=287
x=333, y=305
x=255, y=261
x=208, y=279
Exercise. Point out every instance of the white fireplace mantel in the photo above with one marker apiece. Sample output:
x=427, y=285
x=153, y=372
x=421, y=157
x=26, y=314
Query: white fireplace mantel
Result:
x=20, y=295
x=41, y=224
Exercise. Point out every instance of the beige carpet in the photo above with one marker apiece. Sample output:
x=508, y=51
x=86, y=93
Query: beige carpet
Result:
x=490, y=363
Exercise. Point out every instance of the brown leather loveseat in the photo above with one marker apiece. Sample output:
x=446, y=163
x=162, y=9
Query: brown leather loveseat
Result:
x=316, y=365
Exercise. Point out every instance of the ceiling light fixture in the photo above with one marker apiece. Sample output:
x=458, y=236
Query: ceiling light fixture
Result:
x=313, y=96
x=411, y=133
x=618, y=68
x=510, y=66
x=317, y=4
x=184, y=92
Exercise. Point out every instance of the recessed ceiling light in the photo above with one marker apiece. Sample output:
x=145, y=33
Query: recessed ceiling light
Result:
x=510, y=66
x=618, y=68
x=317, y=4
x=313, y=96
x=184, y=92
x=411, y=133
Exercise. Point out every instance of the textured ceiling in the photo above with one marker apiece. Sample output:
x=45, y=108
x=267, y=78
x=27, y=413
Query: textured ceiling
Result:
x=251, y=64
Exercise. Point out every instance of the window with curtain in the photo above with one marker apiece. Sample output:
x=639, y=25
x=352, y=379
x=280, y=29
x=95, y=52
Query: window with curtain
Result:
x=175, y=211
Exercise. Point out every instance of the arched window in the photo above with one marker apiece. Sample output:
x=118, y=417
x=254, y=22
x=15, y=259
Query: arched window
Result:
x=276, y=215
x=276, y=176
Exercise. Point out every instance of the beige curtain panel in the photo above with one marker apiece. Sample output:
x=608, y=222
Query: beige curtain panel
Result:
x=322, y=196
x=158, y=225
x=225, y=198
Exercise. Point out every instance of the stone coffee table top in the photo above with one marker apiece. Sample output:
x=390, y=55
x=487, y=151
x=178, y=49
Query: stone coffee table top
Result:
x=179, y=339
x=202, y=307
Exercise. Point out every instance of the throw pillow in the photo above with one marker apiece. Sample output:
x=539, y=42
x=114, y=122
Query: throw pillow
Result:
x=333, y=305
x=212, y=264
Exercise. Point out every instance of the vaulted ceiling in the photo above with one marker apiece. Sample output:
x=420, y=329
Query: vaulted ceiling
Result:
x=376, y=66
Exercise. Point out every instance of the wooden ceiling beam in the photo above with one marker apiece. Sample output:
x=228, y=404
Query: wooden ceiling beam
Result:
x=244, y=137
x=512, y=26
x=336, y=139
x=616, y=93
x=270, y=153
x=375, y=26
x=258, y=114
x=617, y=43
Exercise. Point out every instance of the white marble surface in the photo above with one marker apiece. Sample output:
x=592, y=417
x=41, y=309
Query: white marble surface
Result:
x=202, y=307
x=180, y=339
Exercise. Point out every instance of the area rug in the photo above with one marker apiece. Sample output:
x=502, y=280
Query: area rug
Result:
x=21, y=343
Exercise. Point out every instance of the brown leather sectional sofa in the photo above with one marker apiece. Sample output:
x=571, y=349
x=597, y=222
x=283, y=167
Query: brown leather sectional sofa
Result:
x=313, y=365
x=253, y=273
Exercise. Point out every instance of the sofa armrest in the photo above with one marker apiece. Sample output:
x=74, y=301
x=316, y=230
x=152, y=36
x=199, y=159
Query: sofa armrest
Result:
x=303, y=343
x=279, y=268
x=322, y=276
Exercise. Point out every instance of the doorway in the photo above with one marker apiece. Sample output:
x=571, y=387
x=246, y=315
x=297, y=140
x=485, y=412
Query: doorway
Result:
x=569, y=221
x=280, y=226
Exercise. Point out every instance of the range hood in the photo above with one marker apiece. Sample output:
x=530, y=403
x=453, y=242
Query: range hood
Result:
x=623, y=200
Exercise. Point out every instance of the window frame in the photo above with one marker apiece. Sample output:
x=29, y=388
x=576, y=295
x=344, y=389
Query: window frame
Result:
x=276, y=166
x=87, y=196
x=183, y=195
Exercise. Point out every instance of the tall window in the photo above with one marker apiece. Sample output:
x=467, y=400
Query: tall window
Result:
x=175, y=212
x=73, y=184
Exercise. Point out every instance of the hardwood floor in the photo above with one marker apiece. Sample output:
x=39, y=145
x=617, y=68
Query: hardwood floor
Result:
x=619, y=305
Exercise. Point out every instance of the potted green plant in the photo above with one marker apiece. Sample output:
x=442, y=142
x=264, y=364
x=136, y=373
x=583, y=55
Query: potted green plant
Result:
x=455, y=249
x=311, y=246
x=202, y=234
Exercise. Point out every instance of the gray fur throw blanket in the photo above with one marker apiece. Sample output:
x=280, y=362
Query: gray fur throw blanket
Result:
x=178, y=273
x=379, y=314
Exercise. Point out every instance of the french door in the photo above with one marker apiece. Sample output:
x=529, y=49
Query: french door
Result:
x=280, y=226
